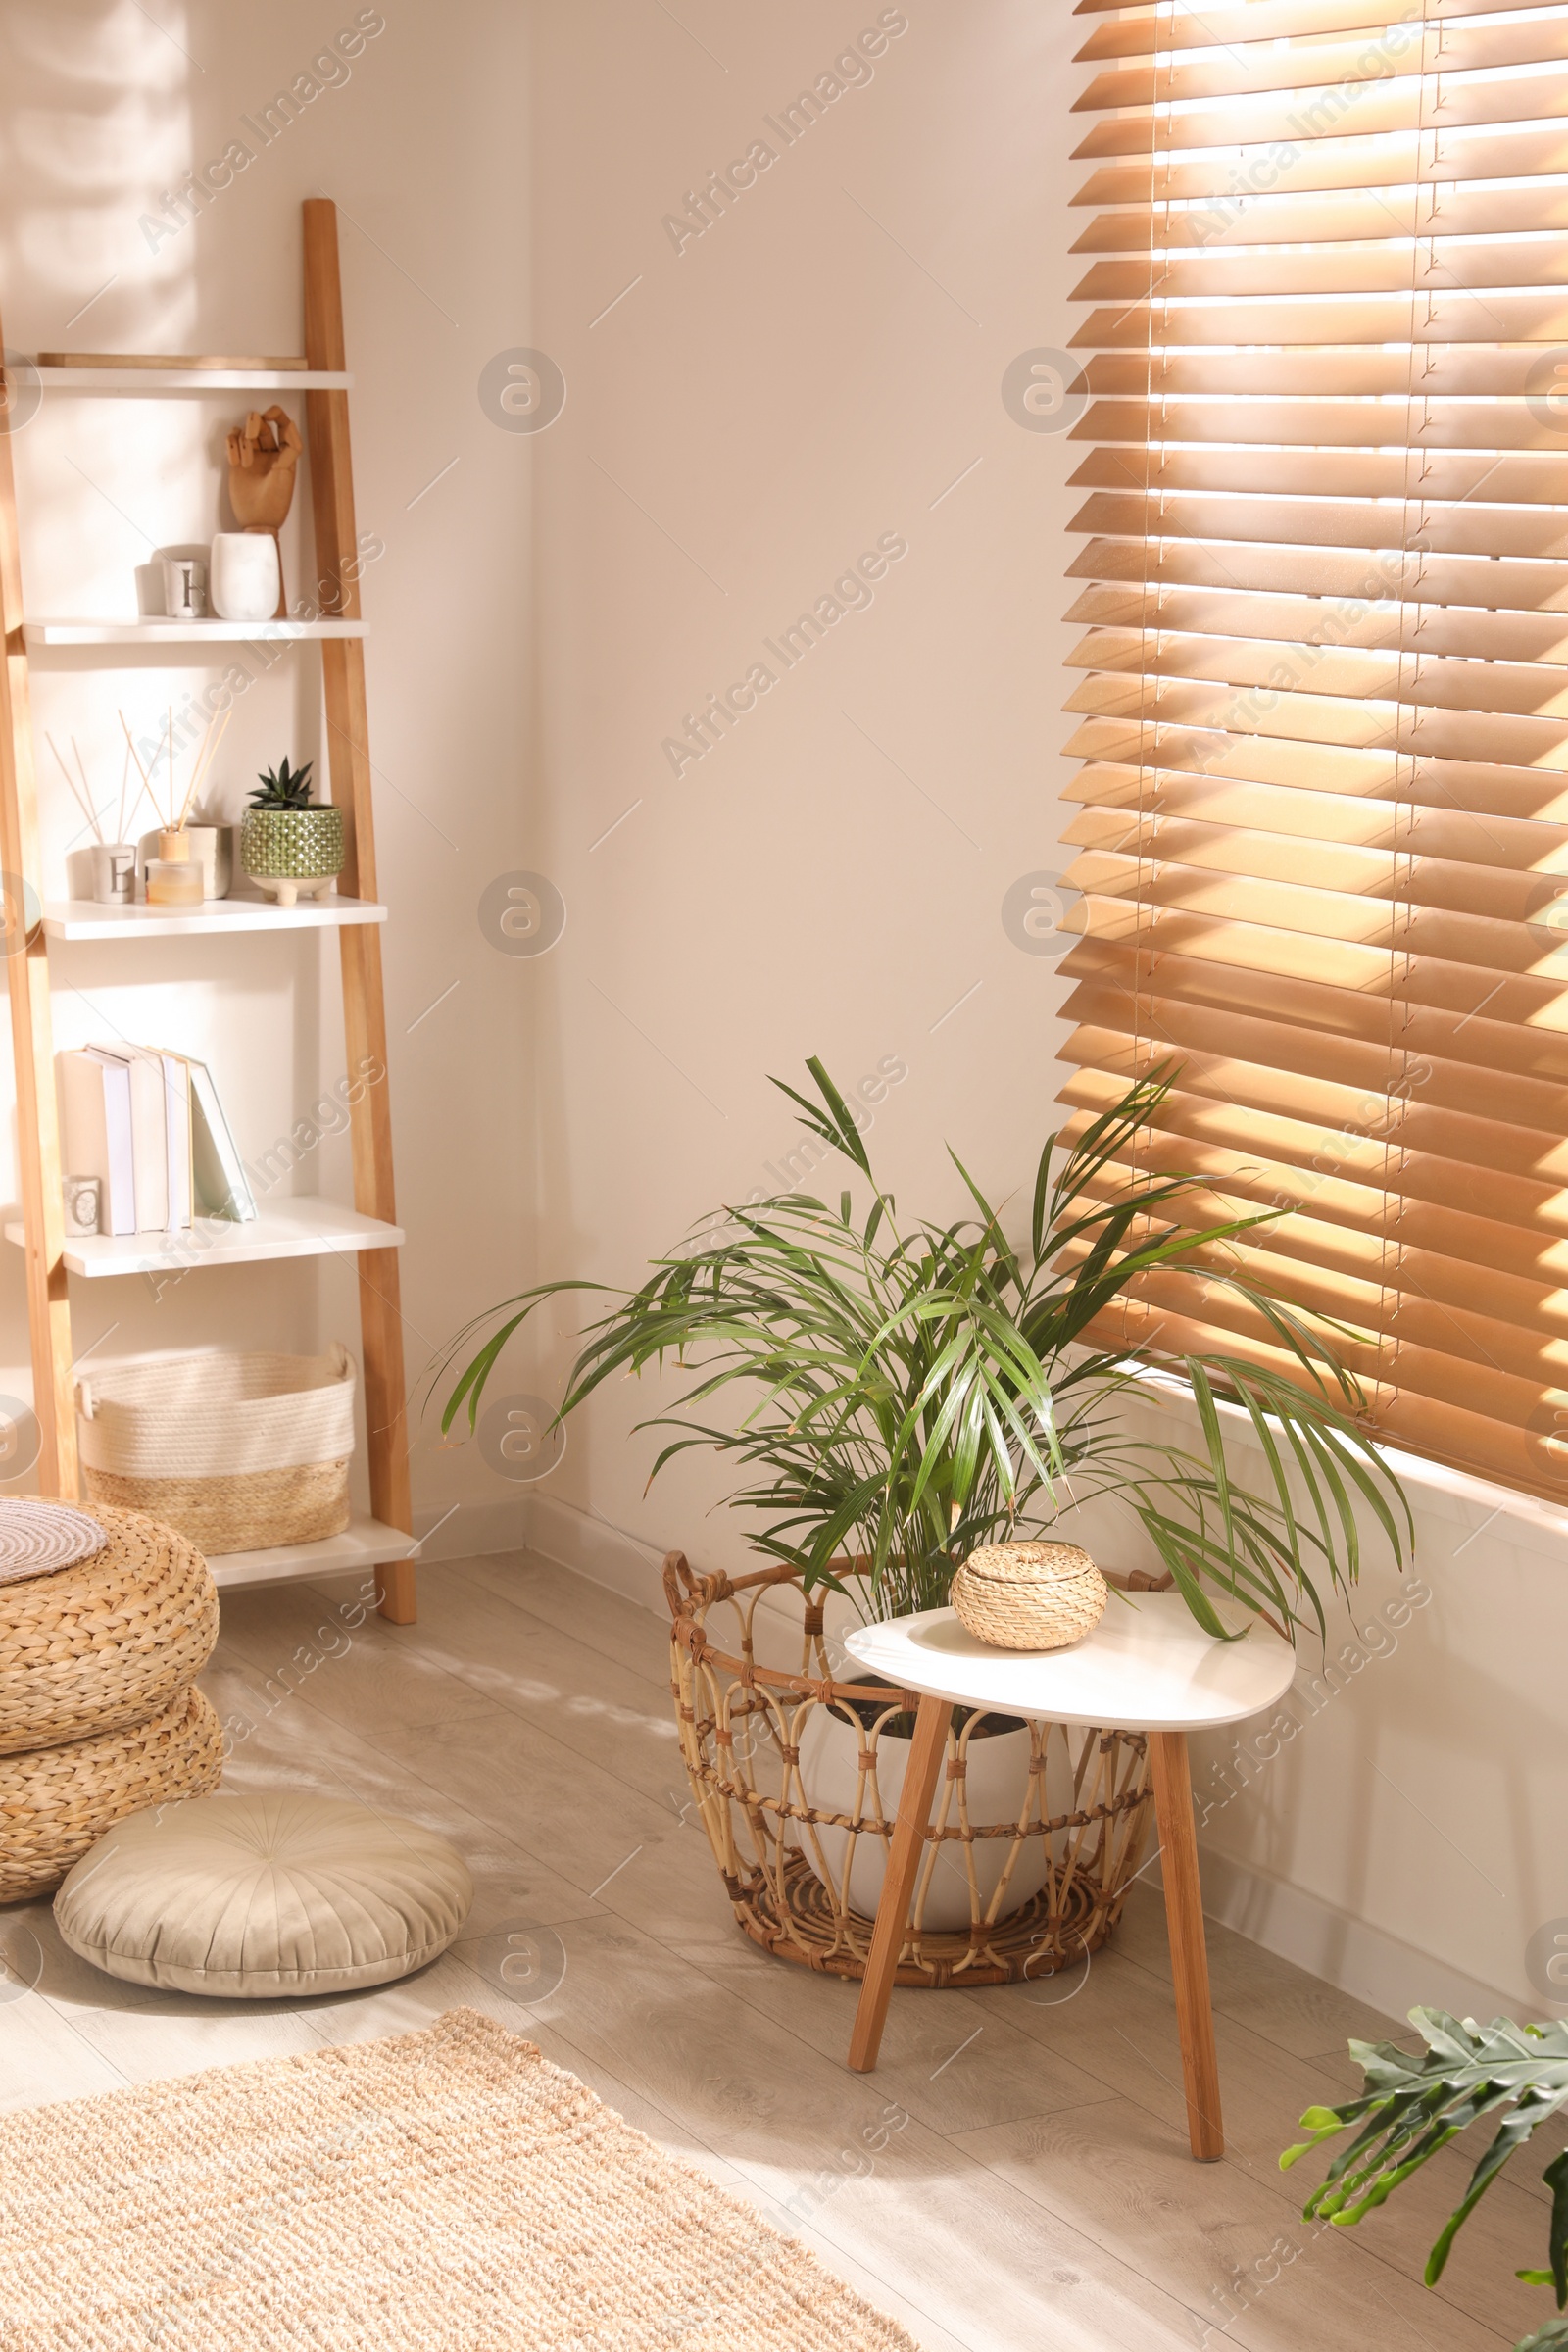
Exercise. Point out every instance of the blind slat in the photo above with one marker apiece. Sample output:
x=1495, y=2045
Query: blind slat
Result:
x=1255, y=948
x=1444, y=1350
x=1440, y=264
x=1328, y=571
x=1397, y=925
x=1516, y=1107
x=1428, y=423
x=1255, y=66
x=1433, y=208
x=1147, y=977
x=1340, y=621
x=1439, y=316
x=1369, y=107
x=1314, y=862
x=1525, y=793
x=1333, y=1199
x=1326, y=719
x=1391, y=823
x=1467, y=530
x=1450, y=156
x=1495, y=1449
x=1339, y=1109
x=1485, y=1195
x=1427, y=479
x=1144, y=32
x=1407, y=674
x=1479, y=370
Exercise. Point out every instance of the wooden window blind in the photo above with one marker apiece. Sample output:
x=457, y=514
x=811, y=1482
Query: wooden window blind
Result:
x=1322, y=826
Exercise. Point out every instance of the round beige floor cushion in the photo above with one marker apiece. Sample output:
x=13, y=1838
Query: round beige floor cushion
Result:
x=250, y=1897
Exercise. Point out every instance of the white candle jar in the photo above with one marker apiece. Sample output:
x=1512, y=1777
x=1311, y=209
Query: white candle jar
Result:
x=244, y=579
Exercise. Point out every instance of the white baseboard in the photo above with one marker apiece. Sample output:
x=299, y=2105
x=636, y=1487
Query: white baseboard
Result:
x=592, y=1547
x=463, y=1532
x=1360, y=1959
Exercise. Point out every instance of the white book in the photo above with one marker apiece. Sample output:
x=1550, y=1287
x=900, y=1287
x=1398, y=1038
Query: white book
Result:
x=222, y=1190
x=149, y=1132
x=95, y=1132
x=176, y=1119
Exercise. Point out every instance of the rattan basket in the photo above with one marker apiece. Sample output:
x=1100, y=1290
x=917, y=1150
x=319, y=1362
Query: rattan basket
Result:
x=1029, y=1595
x=55, y=1802
x=789, y=1862
x=106, y=1641
x=236, y=1451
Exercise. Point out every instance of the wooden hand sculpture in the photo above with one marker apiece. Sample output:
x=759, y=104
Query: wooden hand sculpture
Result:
x=263, y=455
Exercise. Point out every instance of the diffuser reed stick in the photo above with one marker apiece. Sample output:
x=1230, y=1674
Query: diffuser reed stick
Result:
x=206, y=755
x=80, y=794
x=124, y=778
x=146, y=780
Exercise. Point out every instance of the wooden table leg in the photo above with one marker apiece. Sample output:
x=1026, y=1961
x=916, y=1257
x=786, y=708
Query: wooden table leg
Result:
x=926, y=1750
x=1189, y=1953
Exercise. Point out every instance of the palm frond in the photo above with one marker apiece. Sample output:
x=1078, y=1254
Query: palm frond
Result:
x=908, y=1393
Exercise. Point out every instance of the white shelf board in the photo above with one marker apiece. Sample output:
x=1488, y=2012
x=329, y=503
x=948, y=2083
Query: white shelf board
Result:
x=183, y=632
x=298, y=1227
x=194, y=379
x=84, y=919
x=364, y=1543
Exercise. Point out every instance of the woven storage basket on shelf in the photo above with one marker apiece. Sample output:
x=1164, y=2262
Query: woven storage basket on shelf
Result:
x=236, y=1451
x=55, y=1802
x=789, y=1859
x=1029, y=1595
x=106, y=1641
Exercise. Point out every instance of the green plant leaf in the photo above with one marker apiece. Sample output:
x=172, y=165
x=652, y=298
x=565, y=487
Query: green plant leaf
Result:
x=900, y=1396
x=1414, y=2106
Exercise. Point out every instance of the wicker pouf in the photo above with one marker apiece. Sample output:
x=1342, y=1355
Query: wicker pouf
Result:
x=107, y=1642
x=1029, y=1595
x=55, y=1802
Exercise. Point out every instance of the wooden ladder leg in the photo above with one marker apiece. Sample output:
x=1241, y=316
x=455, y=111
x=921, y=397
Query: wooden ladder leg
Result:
x=27, y=962
x=1189, y=1951
x=326, y=416
x=927, y=1751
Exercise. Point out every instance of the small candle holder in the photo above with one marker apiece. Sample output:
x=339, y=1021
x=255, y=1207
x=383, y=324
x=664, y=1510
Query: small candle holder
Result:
x=114, y=873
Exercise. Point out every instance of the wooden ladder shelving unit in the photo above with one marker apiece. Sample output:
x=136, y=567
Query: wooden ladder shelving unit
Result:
x=371, y=1232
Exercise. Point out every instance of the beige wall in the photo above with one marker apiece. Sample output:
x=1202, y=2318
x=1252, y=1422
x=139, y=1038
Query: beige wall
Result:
x=760, y=406
x=770, y=402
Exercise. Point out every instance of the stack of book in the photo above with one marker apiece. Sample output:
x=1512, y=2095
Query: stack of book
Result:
x=148, y=1124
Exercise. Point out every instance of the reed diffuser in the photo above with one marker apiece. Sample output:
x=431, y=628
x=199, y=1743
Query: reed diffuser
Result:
x=113, y=862
x=186, y=871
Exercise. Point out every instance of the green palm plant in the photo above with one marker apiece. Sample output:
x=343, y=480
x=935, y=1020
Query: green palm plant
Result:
x=914, y=1390
x=1413, y=2107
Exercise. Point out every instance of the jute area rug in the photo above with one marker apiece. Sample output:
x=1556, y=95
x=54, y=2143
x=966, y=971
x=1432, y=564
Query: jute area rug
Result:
x=442, y=2192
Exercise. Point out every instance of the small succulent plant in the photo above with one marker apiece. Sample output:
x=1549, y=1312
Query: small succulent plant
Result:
x=284, y=787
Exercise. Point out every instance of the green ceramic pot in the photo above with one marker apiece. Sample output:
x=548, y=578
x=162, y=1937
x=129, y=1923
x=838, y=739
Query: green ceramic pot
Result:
x=289, y=850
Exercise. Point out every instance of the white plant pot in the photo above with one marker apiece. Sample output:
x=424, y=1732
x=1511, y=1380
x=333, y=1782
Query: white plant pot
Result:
x=998, y=1786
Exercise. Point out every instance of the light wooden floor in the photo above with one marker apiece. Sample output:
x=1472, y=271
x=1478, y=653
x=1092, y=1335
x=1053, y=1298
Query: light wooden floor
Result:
x=1039, y=2192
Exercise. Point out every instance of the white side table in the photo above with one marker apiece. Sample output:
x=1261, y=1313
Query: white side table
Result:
x=1148, y=1666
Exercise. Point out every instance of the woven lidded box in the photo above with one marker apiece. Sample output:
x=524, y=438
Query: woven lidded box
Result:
x=1029, y=1595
